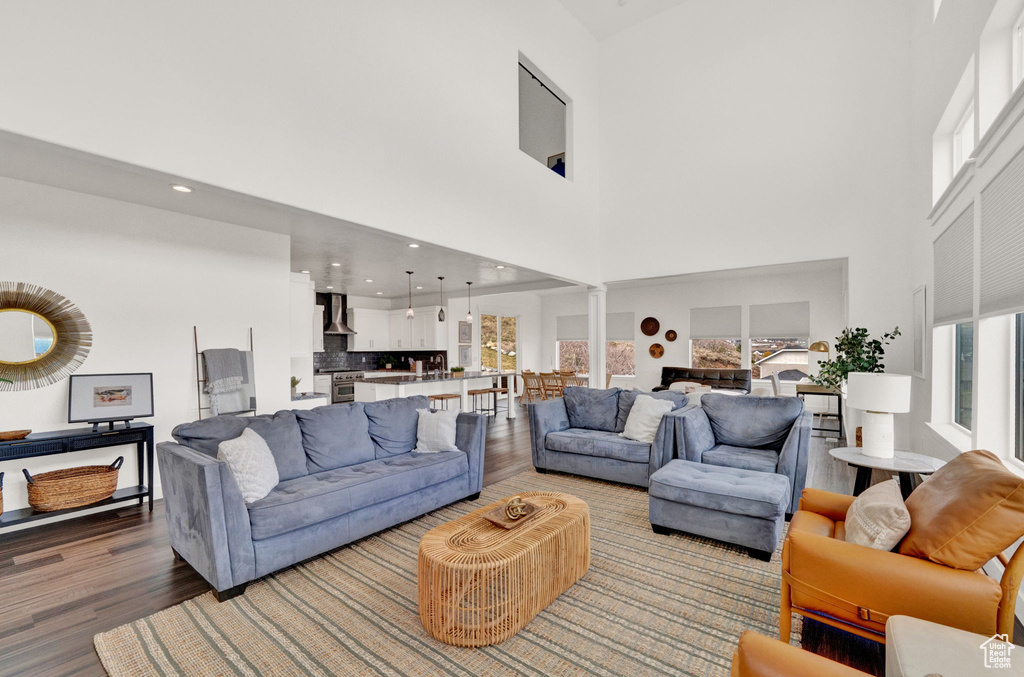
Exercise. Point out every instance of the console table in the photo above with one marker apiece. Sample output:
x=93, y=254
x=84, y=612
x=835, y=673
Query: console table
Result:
x=81, y=439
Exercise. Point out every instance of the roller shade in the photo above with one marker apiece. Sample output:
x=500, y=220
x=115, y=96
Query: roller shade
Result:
x=954, y=270
x=721, y=322
x=619, y=327
x=572, y=328
x=781, y=320
x=1002, y=241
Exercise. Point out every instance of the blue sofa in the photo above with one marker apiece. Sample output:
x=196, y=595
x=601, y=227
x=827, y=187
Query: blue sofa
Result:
x=578, y=433
x=346, y=471
x=762, y=434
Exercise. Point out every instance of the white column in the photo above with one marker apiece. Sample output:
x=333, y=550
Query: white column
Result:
x=597, y=334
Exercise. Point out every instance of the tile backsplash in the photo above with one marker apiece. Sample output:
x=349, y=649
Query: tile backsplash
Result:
x=336, y=356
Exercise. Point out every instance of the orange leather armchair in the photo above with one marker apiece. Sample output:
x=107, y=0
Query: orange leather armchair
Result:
x=759, y=656
x=856, y=588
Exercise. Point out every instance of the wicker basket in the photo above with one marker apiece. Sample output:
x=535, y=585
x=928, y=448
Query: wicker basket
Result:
x=72, y=487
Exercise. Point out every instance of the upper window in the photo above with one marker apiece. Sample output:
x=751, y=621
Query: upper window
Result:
x=963, y=138
x=787, y=357
x=963, y=378
x=542, y=119
x=715, y=353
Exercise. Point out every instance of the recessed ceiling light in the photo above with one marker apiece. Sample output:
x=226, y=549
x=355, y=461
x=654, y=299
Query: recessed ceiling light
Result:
x=367, y=280
x=330, y=287
x=336, y=265
x=500, y=267
x=414, y=245
x=380, y=293
x=304, y=271
x=180, y=188
x=419, y=287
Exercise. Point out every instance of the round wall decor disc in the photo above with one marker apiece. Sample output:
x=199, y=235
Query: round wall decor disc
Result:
x=650, y=326
x=671, y=335
x=656, y=350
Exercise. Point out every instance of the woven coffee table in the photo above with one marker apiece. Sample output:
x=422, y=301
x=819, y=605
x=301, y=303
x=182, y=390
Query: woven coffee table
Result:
x=480, y=584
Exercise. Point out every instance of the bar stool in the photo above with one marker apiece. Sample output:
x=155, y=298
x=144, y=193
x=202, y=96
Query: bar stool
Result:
x=476, y=392
x=495, y=392
x=443, y=399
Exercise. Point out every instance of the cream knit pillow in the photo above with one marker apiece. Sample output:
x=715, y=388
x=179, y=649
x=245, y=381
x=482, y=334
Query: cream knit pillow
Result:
x=252, y=463
x=435, y=431
x=645, y=417
x=878, y=517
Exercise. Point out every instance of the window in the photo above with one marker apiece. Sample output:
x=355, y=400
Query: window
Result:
x=715, y=354
x=542, y=119
x=1018, y=388
x=574, y=355
x=498, y=348
x=963, y=378
x=776, y=355
x=963, y=138
x=620, y=357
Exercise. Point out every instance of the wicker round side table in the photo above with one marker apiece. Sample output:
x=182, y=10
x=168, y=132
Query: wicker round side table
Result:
x=480, y=584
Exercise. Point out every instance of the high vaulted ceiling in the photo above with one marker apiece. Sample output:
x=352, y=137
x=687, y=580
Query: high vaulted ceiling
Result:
x=607, y=17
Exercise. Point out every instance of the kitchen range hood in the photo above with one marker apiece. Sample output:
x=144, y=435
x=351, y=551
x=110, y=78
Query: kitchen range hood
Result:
x=339, y=304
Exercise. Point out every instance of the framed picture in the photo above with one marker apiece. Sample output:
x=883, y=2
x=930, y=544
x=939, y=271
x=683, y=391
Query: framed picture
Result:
x=96, y=398
x=920, y=328
x=553, y=160
x=465, y=355
x=465, y=332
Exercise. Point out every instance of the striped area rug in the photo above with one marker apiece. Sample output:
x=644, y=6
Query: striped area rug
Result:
x=650, y=605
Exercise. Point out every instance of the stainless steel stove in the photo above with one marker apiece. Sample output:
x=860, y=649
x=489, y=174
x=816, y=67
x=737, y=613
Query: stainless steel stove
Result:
x=343, y=386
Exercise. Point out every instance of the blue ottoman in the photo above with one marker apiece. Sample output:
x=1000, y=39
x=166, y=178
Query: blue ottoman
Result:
x=745, y=507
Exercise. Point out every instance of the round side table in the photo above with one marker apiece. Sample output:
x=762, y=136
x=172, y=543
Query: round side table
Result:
x=908, y=465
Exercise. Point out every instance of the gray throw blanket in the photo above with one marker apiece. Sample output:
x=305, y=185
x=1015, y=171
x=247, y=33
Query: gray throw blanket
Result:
x=229, y=381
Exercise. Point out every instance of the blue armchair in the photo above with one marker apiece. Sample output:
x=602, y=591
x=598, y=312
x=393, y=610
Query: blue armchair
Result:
x=766, y=434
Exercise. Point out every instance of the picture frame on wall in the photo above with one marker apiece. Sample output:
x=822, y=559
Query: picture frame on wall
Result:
x=465, y=332
x=920, y=329
x=465, y=355
x=104, y=398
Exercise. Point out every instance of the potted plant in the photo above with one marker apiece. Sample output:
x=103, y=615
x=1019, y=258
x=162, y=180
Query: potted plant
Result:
x=855, y=351
x=295, y=384
x=458, y=372
x=388, y=361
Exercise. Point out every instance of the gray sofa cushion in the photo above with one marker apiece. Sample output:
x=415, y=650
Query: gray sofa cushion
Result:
x=751, y=421
x=393, y=424
x=335, y=436
x=591, y=408
x=315, y=498
x=281, y=431
x=761, y=460
x=628, y=397
x=598, y=443
x=730, y=490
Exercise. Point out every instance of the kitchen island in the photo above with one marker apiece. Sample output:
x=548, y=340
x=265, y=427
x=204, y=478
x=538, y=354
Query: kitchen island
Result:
x=406, y=385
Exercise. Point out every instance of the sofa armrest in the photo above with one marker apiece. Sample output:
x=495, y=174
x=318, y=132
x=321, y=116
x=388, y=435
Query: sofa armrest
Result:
x=826, y=503
x=845, y=579
x=760, y=656
x=207, y=521
x=545, y=417
x=793, y=457
x=471, y=437
x=693, y=434
x=665, y=446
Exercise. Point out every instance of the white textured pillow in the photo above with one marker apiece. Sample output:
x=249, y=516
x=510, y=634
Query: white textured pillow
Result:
x=251, y=462
x=878, y=517
x=645, y=417
x=435, y=431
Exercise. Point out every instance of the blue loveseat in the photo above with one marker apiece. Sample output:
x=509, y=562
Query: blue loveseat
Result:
x=578, y=433
x=346, y=471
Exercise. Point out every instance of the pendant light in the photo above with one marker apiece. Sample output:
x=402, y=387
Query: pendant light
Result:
x=440, y=313
x=469, y=305
x=408, y=313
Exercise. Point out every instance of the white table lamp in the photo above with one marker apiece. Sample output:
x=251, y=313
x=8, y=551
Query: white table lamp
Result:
x=880, y=396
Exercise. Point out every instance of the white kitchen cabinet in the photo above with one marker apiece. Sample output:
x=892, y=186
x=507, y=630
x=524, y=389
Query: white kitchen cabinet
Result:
x=318, y=329
x=300, y=306
x=372, y=330
x=401, y=330
x=322, y=384
x=427, y=332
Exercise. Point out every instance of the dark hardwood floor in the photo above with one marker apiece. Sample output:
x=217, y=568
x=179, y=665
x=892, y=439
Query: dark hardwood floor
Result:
x=61, y=584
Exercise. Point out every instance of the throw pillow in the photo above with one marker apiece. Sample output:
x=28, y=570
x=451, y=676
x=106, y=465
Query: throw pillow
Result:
x=627, y=397
x=645, y=417
x=249, y=459
x=591, y=408
x=878, y=518
x=965, y=514
x=436, y=431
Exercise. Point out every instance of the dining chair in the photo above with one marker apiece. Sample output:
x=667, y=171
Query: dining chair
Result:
x=532, y=387
x=551, y=382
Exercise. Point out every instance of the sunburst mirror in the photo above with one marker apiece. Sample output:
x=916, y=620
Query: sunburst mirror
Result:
x=44, y=337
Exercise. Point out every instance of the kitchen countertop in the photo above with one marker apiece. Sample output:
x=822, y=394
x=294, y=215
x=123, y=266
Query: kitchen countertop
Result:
x=297, y=397
x=426, y=378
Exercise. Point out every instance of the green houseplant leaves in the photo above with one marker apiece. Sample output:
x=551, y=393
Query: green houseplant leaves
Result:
x=855, y=351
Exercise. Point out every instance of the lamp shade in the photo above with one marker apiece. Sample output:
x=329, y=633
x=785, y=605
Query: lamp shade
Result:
x=819, y=347
x=889, y=393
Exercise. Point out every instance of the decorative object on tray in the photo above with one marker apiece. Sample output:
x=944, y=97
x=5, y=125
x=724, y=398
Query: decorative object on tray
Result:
x=656, y=350
x=465, y=332
x=57, y=336
x=513, y=513
x=458, y=372
x=14, y=435
x=465, y=355
x=105, y=398
x=650, y=326
x=671, y=335
x=72, y=487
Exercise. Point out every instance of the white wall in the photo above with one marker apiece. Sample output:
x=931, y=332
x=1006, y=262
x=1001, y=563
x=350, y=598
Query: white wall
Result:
x=142, y=281
x=396, y=114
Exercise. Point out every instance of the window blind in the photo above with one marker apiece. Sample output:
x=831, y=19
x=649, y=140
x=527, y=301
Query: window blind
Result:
x=954, y=270
x=1002, y=241
x=781, y=320
x=620, y=327
x=720, y=322
x=572, y=328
